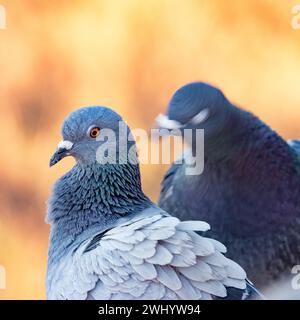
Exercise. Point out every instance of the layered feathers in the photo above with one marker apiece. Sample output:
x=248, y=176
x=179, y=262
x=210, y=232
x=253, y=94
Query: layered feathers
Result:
x=150, y=256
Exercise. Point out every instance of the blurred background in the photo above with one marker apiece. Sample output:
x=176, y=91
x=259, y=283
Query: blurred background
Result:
x=56, y=56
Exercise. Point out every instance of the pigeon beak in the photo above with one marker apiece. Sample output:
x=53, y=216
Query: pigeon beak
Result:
x=168, y=127
x=63, y=150
x=164, y=122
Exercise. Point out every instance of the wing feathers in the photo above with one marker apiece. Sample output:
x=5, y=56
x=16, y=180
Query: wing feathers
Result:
x=168, y=277
x=150, y=257
x=200, y=271
x=146, y=270
x=213, y=287
x=162, y=256
x=193, y=226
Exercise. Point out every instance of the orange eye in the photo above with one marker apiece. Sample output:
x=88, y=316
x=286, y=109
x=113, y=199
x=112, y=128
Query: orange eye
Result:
x=94, y=132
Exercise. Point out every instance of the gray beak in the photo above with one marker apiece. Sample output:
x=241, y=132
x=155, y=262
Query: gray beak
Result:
x=63, y=150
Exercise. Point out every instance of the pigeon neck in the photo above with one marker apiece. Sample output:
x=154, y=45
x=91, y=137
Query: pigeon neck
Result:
x=111, y=189
x=90, y=197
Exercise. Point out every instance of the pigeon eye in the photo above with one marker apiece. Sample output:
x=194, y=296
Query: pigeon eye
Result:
x=94, y=132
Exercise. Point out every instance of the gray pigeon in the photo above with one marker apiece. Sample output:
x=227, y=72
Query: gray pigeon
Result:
x=109, y=241
x=249, y=191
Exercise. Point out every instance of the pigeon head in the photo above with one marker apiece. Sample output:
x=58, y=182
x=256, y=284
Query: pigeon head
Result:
x=196, y=106
x=90, y=134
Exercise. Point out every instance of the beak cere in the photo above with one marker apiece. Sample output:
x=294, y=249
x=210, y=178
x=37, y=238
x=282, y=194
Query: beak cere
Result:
x=63, y=150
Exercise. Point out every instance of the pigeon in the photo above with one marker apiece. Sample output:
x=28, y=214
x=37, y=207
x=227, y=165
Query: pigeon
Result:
x=109, y=241
x=249, y=190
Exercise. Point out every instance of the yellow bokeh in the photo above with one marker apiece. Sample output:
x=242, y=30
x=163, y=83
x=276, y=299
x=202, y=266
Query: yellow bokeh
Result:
x=131, y=55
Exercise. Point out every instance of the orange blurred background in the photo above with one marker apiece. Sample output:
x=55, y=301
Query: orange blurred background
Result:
x=131, y=55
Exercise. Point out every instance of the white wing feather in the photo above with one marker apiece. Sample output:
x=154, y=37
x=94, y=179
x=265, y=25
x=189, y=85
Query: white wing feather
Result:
x=156, y=257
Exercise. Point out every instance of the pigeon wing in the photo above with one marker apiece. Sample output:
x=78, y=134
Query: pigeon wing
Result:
x=166, y=188
x=157, y=257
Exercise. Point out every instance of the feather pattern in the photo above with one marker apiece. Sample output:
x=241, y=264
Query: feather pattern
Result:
x=130, y=263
